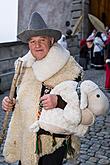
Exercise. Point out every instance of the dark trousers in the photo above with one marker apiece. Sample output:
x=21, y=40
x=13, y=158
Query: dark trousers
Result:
x=56, y=158
x=19, y=163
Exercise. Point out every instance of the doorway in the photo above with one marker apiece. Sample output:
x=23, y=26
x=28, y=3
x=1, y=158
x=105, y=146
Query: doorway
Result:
x=100, y=9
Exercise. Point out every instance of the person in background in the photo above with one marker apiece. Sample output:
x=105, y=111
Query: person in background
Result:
x=93, y=34
x=107, y=64
x=108, y=33
x=104, y=36
x=45, y=65
x=62, y=41
x=82, y=42
x=98, y=52
x=85, y=46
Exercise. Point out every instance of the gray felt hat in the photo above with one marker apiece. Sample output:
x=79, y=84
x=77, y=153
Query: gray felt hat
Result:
x=37, y=27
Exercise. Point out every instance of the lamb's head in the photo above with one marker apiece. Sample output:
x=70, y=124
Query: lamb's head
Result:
x=93, y=98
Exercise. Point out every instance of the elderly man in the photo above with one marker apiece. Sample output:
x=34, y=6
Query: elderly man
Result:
x=44, y=66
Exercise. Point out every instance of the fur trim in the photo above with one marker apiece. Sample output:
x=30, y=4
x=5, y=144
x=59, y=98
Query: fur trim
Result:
x=28, y=60
x=52, y=63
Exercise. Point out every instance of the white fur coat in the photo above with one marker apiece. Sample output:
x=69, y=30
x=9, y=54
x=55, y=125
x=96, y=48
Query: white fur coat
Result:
x=56, y=67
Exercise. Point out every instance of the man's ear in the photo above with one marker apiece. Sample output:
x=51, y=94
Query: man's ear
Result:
x=52, y=41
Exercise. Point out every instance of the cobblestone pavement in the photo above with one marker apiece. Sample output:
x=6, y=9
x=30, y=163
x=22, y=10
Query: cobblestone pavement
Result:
x=95, y=145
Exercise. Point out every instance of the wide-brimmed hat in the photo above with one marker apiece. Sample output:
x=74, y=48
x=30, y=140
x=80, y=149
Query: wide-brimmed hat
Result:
x=37, y=27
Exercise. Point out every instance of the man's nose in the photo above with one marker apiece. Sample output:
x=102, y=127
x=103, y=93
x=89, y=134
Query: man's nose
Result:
x=37, y=44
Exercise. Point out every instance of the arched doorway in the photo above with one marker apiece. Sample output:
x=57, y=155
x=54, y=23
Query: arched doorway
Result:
x=101, y=9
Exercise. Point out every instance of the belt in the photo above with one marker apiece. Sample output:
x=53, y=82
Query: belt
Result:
x=54, y=142
x=43, y=132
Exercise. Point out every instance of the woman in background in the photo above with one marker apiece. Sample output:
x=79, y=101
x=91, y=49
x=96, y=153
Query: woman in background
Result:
x=98, y=52
x=84, y=57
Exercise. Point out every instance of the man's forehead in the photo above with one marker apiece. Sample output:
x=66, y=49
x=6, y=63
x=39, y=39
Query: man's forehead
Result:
x=40, y=37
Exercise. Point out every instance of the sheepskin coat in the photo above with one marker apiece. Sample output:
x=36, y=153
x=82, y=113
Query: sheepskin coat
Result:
x=56, y=67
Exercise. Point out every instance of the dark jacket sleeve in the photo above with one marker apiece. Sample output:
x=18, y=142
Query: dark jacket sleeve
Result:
x=61, y=103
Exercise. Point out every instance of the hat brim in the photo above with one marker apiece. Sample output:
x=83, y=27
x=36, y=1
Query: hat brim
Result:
x=27, y=34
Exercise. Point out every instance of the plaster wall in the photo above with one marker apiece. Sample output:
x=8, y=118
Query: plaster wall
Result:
x=54, y=12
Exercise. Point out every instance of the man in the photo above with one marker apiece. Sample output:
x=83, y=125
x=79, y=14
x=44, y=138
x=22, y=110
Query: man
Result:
x=44, y=66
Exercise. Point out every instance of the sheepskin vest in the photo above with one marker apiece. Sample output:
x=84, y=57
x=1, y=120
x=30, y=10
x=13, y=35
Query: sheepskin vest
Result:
x=56, y=67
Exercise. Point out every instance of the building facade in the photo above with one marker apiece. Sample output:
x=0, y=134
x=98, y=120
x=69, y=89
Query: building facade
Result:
x=57, y=13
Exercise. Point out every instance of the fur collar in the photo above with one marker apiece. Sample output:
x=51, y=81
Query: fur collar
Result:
x=48, y=66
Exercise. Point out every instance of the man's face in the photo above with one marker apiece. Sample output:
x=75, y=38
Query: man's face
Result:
x=39, y=46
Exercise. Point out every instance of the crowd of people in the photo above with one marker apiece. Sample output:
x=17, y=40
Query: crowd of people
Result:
x=95, y=51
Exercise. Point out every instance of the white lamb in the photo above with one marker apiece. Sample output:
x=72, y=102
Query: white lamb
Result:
x=78, y=114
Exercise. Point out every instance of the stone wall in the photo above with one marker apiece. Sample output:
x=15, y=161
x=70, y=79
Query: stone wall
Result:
x=79, y=8
x=9, y=52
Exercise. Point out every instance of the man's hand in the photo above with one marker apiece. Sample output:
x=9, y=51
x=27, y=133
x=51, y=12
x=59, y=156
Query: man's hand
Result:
x=7, y=104
x=49, y=101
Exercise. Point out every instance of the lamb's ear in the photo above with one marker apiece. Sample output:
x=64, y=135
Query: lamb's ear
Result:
x=83, y=100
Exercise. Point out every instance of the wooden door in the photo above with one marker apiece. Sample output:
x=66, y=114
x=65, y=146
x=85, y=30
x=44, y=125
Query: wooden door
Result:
x=101, y=9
